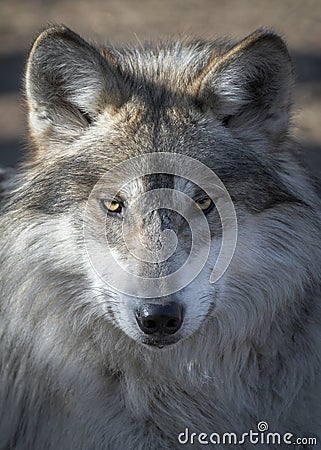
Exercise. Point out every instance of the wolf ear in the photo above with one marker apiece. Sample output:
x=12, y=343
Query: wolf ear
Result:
x=68, y=83
x=250, y=85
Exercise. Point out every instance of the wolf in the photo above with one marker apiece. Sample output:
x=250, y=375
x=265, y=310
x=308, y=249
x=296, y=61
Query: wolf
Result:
x=116, y=192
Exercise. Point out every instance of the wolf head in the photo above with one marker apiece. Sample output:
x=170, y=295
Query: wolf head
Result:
x=98, y=119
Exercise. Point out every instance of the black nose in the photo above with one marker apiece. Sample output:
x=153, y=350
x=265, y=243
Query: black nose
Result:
x=159, y=319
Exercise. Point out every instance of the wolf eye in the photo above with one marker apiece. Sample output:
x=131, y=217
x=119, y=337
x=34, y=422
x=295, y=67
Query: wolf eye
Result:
x=112, y=206
x=205, y=204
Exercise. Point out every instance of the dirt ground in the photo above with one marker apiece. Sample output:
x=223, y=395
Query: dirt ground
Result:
x=120, y=21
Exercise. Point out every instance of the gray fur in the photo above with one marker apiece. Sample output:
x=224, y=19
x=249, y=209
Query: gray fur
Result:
x=74, y=371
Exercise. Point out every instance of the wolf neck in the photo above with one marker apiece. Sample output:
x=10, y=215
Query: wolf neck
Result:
x=231, y=384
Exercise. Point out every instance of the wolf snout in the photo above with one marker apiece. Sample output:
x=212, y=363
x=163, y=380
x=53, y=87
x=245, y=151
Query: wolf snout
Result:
x=160, y=320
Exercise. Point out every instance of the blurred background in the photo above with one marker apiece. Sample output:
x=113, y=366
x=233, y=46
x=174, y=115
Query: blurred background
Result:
x=123, y=21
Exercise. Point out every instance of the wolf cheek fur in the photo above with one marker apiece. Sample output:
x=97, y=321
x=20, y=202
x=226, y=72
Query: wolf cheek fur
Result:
x=74, y=371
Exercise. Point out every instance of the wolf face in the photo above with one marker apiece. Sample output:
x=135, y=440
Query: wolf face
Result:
x=91, y=110
x=150, y=213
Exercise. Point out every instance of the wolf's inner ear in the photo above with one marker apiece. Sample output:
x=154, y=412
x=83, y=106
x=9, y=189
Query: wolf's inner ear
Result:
x=68, y=83
x=250, y=85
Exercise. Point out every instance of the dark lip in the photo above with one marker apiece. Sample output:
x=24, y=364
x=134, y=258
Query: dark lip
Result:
x=159, y=343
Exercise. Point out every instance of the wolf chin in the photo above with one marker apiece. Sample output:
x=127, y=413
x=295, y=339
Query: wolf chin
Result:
x=87, y=366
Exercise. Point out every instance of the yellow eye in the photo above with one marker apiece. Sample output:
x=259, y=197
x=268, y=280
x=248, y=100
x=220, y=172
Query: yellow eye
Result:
x=112, y=206
x=205, y=204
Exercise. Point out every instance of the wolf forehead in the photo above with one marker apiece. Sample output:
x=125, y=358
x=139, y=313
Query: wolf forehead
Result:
x=167, y=67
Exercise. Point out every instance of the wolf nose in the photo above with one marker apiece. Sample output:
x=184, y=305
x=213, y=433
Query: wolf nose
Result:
x=159, y=319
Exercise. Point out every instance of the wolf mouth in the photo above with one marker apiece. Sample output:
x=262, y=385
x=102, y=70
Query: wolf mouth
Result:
x=159, y=343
